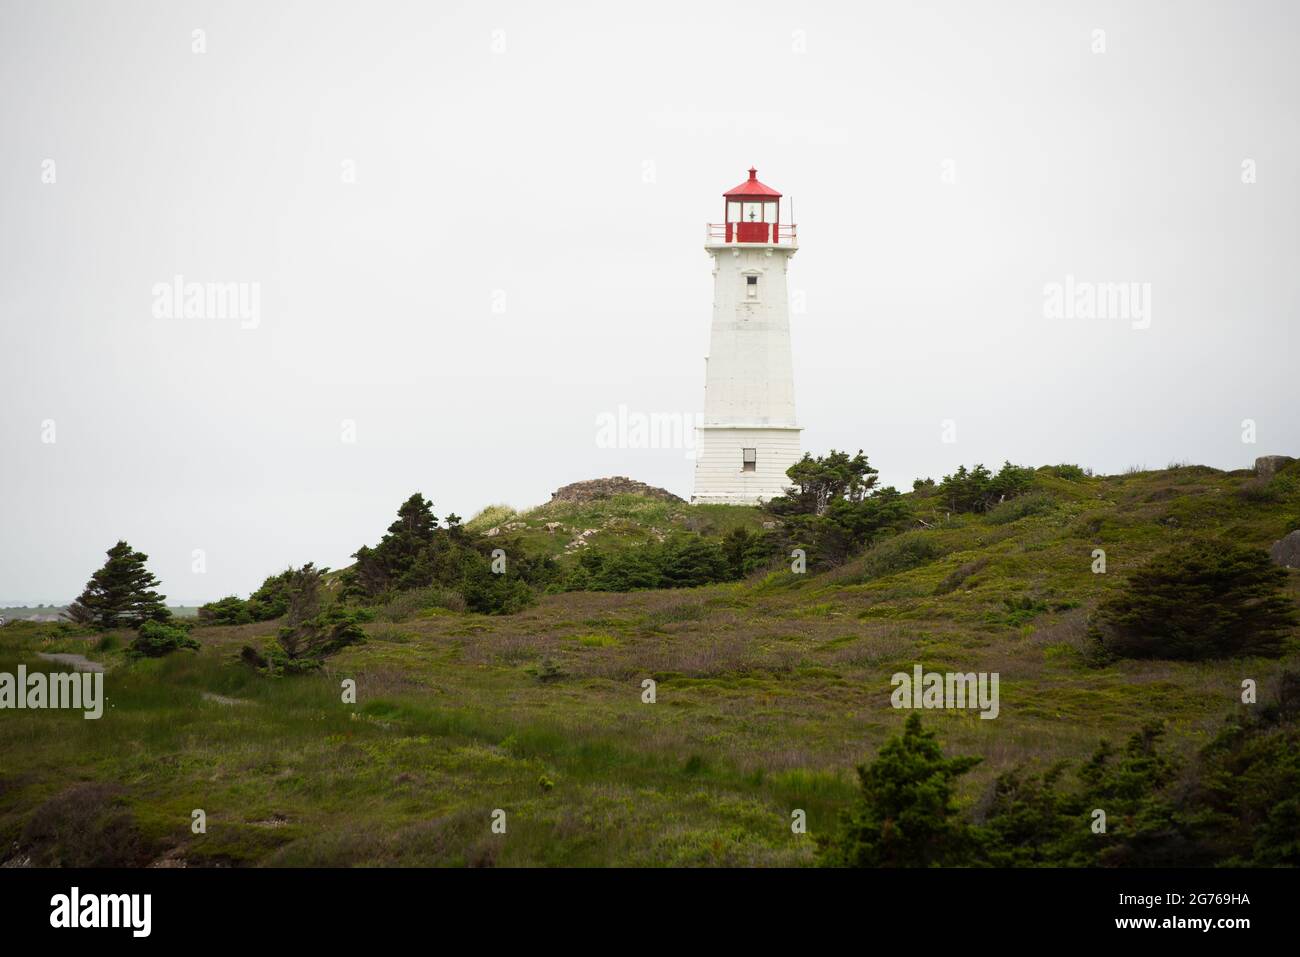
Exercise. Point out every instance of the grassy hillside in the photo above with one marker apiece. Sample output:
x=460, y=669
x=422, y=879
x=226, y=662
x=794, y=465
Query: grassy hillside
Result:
x=615, y=523
x=769, y=691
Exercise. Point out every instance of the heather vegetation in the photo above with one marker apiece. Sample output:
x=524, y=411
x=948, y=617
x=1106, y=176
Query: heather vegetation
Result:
x=520, y=686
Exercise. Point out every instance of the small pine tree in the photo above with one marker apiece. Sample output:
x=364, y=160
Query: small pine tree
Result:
x=121, y=593
x=906, y=816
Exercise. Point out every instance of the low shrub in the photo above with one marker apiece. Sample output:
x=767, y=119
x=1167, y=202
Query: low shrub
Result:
x=1013, y=510
x=409, y=604
x=1071, y=473
x=901, y=553
x=156, y=639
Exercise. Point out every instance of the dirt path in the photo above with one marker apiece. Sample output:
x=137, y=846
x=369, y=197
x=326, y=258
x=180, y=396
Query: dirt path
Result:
x=79, y=662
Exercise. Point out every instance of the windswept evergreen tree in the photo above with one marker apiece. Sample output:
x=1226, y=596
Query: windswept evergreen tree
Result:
x=312, y=630
x=820, y=481
x=121, y=594
x=978, y=489
x=834, y=509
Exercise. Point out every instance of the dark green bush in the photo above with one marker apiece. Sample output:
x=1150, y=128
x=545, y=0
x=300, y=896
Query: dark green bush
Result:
x=979, y=490
x=1069, y=472
x=418, y=554
x=1200, y=600
x=491, y=593
x=108, y=642
x=900, y=554
x=682, y=561
x=156, y=639
x=271, y=600
x=1040, y=820
x=231, y=610
x=1236, y=804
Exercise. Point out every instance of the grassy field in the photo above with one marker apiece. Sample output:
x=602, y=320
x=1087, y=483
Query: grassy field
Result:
x=769, y=691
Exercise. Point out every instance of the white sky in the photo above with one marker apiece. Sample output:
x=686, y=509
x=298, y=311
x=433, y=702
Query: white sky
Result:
x=525, y=171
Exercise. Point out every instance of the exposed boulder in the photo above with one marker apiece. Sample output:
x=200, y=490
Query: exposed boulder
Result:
x=1266, y=466
x=596, y=489
x=1286, y=550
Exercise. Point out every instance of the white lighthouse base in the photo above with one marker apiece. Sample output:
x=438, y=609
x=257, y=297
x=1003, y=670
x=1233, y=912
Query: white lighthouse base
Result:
x=720, y=477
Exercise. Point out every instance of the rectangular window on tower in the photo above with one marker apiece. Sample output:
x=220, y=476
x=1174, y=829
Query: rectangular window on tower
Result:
x=748, y=460
x=751, y=287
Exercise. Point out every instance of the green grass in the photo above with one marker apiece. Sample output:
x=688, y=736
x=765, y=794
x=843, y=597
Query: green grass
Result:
x=769, y=691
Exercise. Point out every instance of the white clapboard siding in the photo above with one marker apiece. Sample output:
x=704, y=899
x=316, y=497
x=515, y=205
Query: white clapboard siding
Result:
x=749, y=378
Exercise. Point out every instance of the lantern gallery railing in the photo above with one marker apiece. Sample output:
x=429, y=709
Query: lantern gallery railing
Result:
x=766, y=234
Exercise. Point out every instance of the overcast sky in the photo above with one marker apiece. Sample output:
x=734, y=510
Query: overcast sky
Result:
x=476, y=228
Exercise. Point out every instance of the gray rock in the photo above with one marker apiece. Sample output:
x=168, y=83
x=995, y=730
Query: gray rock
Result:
x=1286, y=550
x=1266, y=466
x=597, y=489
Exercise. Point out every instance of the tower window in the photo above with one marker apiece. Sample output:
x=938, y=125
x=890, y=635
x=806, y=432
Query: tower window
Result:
x=748, y=460
x=751, y=286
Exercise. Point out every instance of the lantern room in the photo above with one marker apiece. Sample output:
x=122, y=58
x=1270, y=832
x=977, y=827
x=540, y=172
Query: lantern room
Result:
x=752, y=214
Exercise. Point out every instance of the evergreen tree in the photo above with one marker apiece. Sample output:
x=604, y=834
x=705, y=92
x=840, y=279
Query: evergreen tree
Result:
x=309, y=634
x=400, y=560
x=691, y=561
x=121, y=593
x=906, y=816
x=820, y=481
x=746, y=551
x=1202, y=599
x=978, y=489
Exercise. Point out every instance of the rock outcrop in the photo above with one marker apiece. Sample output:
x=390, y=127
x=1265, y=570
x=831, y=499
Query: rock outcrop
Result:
x=1266, y=466
x=1286, y=550
x=596, y=489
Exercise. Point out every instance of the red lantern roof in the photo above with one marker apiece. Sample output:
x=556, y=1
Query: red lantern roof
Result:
x=752, y=188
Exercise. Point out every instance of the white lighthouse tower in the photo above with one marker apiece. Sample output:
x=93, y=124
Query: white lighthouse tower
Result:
x=748, y=438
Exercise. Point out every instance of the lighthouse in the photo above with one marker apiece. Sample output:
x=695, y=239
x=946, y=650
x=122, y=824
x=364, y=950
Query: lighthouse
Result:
x=748, y=437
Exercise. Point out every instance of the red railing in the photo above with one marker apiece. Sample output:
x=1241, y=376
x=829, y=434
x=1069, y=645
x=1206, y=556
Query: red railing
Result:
x=764, y=234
